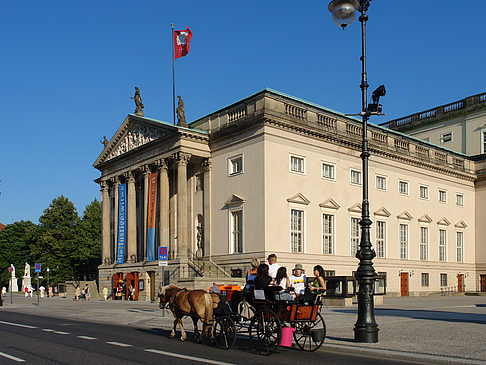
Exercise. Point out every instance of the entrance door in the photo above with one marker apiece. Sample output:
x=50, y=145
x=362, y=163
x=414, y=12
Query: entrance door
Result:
x=404, y=284
x=132, y=281
x=117, y=281
x=460, y=283
x=483, y=282
x=151, y=275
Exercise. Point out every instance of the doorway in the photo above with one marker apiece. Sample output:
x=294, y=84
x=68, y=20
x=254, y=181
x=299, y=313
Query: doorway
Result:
x=151, y=275
x=404, y=284
x=460, y=283
x=483, y=283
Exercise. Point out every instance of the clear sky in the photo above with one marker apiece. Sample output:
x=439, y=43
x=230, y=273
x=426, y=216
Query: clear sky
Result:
x=68, y=70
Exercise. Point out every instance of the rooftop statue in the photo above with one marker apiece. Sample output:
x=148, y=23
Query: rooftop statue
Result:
x=104, y=142
x=138, y=102
x=181, y=113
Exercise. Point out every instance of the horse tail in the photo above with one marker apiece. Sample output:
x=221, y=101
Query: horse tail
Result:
x=209, y=312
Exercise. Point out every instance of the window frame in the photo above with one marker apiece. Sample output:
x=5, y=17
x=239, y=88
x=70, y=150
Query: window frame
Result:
x=302, y=230
x=405, y=183
x=459, y=195
x=445, y=195
x=460, y=248
x=423, y=244
x=351, y=177
x=405, y=242
x=333, y=178
x=385, y=182
x=329, y=235
x=443, y=280
x=232, y=242
x=442, y=245
x=382, y=239
x=424, y=283
x=300, y=157
x=442, y=137
x=354, y=237
x=426, y=187
x=483, y=141
x=230, y=164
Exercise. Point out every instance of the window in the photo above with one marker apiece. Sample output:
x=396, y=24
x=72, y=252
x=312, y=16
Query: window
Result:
x=403, y=241
x=403, y=187
x=442, y=244
x=297, y=230
x=446, y=137
x=297, y=164
x=443, y=279
x=356, y=177
x=443, y=196
x=460, y=246
x=355, y=234
x=327, y=234
x=380, y=238
x=483, y=141
x=236, y=231
x=424, y=192
x=424, y=243
x=235, y=165
x=380, y=183
x=328, y=171
x=460, y=200
x=425, y=279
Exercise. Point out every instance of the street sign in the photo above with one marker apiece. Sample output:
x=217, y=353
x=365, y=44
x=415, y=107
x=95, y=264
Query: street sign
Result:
x=162, y=253
x=10, y=269
x=163, y=263
x=37, y=267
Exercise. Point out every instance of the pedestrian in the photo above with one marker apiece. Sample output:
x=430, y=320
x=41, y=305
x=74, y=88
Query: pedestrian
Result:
x=42, y=291
x=133, y=293
x=49, y=291
x=31, y=290
x=130, y=295
x=318, y=284
x=86, y=292
x=273, y=268
x=4, y=291
x=298, y=280
x=105, y=293
x=26, y=289
x=77, y=293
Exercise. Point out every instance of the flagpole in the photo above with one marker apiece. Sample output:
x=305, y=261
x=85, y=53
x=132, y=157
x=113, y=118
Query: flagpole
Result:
x=173, y=75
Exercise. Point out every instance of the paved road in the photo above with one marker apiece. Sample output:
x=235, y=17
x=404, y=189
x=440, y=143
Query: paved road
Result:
x=44, y=340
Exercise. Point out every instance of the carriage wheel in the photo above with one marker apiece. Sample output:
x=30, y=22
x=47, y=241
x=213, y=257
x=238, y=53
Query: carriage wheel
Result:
x=224, y=332
x=309, y=336
x=265, y=331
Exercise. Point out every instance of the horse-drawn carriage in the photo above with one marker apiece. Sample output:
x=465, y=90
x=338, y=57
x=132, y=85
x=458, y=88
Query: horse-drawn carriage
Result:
x=269, y=323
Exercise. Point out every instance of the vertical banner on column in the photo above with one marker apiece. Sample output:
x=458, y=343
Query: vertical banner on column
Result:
x=151, y=217
x=122, y=223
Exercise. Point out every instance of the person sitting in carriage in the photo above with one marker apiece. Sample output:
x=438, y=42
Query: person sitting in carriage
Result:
x=282, y=281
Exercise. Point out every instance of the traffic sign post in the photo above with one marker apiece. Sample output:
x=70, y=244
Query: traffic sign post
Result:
x=37, y=270
x=163, y=262
x=10, y=269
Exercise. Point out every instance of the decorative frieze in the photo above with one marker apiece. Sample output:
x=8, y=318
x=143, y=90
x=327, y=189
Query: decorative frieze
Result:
x=137, y=136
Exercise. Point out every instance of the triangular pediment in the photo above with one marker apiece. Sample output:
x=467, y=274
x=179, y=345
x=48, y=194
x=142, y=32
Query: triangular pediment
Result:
x=460, y=224
x=299, y=199
x=425, y=219
x=405, y=215
x=134, y=132
x=355, y=208
x=329, y=204
x=382, y=212
x=444, y=222
x=234, y=200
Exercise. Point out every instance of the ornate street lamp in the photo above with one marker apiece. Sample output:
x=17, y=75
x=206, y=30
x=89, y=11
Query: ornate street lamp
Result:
x=365, y=328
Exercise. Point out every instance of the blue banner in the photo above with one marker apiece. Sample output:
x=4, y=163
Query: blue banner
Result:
x=122, y=223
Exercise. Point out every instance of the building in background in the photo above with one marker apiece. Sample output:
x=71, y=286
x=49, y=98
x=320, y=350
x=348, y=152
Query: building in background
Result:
x=276, y=174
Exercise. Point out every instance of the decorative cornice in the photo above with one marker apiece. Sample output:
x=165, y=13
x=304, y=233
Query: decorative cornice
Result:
x=299, y=199
x=460, y=224
x=444, y=222
x=405, y=216
x=425, y=219
x=357, y=208
x=234, y=200
x=382, y=212
x=329, y=204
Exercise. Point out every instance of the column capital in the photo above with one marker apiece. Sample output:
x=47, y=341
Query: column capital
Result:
x=115, y=180
x=129, y=176
x=162, y=164
x=182, y=158
x=104, y=185
x=146, y=170
x=207, y=164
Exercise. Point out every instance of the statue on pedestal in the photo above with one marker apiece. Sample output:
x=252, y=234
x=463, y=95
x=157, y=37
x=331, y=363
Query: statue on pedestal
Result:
x=181, y=113
x=26, y=279
x=27, y=270
x=138, y=102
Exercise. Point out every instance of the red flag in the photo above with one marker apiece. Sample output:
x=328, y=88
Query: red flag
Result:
x=182, y=38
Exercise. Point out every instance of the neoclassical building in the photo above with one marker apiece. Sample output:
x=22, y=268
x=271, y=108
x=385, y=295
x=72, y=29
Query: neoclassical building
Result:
x=275, y=174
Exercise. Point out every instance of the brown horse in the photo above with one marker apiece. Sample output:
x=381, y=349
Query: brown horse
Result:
x=184, y=302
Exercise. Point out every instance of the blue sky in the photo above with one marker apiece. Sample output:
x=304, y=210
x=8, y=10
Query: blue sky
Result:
x=68, y=70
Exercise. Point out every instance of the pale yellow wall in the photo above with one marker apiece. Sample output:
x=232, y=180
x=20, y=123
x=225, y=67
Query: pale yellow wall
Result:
x=481, y=226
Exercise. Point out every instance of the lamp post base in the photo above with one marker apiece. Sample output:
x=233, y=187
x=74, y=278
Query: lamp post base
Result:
x=366, y=334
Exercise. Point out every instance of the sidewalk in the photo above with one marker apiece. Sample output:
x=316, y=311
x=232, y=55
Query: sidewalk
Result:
x=450, y=329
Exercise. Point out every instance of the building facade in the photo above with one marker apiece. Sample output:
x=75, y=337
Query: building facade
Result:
x=276, y=174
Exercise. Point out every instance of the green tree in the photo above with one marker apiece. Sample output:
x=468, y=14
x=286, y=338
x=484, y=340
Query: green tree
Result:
x=55, y=241
x=15, y=241
x=87, y=252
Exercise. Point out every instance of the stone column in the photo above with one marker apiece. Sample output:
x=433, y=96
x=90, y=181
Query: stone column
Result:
x=146, y=197
x=115, y=182
x=131, y=217
x=182, y=159
x=105, y=223
x=207, y=206
x=164, y=204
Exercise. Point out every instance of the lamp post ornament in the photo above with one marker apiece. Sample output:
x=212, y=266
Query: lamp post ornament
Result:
x=365, y=328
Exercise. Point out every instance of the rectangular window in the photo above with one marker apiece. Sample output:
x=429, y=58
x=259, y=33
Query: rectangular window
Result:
x=443, y=196
x=235, y=165
x=297, y=230
x=356, y=177
x=355, y=235
x=424, y=243
x=446, y=137
x=403, y=241
x=483, y=142
x=460, y=246
x=327, y=234
x=460, y=200
x=443, y=279
x=442, y=244
x=380, y=183
x=425, y=279
x=236, y=231
x=403, y=187
x=328, y=171
x=297, y=164
x=424, y=192
x=380, y=238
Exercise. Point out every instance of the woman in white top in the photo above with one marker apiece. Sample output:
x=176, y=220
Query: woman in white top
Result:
x=283, y=281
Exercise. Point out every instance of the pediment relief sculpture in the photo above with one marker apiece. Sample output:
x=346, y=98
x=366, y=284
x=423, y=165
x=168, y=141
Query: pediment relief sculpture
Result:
x=425, y=219
x=444, y=222
x=299, y=199
x=460, y=224
x=405, y=216
x=355, y=208
x=137, y=136
x=234, y=200
x=382, y=212
x=329, y=204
